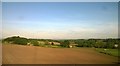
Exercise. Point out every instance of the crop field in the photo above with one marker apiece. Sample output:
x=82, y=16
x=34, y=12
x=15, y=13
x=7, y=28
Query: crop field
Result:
x=20, y=54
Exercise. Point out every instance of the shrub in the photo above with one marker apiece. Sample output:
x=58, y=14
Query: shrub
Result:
x=35, y=43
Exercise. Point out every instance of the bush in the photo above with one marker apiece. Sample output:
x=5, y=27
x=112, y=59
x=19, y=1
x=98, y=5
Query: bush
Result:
x=35, y=43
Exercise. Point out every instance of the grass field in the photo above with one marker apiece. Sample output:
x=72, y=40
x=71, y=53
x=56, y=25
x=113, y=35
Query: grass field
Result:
x=112, y=52
x=19, y=54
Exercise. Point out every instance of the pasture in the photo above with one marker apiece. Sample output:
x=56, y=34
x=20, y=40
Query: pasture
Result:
x=19, y=54
x=112, y=52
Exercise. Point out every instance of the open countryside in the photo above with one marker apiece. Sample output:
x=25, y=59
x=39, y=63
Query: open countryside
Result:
x=46, y=51
x=60, y=33
x=18, y=54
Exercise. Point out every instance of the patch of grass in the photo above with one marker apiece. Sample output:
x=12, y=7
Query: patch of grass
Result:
x=56, y=46
x=112, y=52
x=50, y=46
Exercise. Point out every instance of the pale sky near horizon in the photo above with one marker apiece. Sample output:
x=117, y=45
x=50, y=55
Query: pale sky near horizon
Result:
x=60, y=20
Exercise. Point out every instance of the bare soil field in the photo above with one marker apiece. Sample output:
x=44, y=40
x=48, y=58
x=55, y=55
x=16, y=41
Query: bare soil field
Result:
x=19, y=54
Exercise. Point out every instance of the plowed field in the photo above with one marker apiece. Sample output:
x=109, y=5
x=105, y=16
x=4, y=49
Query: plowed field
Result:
x=19, y=54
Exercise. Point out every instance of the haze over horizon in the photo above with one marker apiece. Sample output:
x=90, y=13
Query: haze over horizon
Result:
x=60, y=20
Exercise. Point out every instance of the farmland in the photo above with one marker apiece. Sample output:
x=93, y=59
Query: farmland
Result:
x=23, y=54
x=112, y=52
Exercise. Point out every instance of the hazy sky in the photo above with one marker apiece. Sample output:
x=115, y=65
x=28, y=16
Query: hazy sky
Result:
x=60, y=20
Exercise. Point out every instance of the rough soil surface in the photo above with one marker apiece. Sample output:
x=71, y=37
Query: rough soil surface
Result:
x=19, y=54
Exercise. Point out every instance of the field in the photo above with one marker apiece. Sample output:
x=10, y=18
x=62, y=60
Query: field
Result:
x=19, y=54
x=112, y=52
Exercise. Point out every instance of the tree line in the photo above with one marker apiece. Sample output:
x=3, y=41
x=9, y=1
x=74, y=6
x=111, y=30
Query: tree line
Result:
x=97, y=43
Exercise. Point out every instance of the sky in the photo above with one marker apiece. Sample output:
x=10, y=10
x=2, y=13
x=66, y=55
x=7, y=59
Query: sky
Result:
x=60, y=0
x=60, y=20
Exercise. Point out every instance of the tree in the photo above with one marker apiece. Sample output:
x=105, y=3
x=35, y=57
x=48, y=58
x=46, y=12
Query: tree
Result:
x=80, y=43
x=100, y=44
x=91, y=42
x=17, y=40
x=65, y=43
x=85, y=43
x=110, y=43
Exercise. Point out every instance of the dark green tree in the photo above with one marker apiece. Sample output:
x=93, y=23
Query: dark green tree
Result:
x=17, y=40
x=65, y=43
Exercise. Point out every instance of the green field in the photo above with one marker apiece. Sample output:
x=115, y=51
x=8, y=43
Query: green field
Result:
x=112, y=52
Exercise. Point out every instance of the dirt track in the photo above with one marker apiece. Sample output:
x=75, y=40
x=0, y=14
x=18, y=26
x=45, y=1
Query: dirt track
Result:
x=18, y=54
